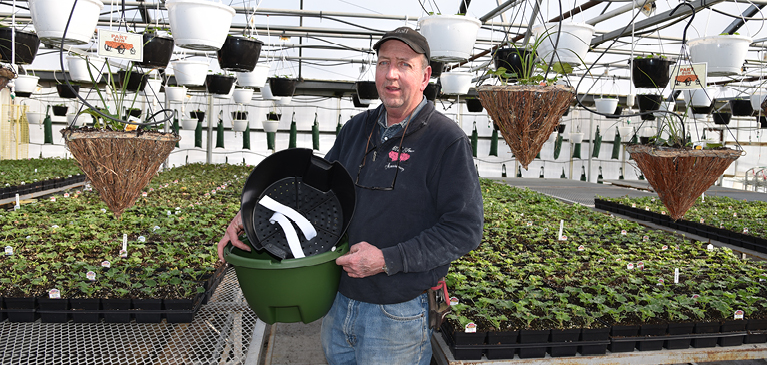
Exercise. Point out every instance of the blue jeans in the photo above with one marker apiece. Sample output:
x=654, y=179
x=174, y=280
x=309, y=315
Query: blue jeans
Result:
x=356, y=332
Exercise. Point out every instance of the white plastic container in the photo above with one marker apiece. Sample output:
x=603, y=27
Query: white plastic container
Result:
x=242, y=96
x=724, y=54
x=188, y=124
x=271, y=125
x=456, y=82
x=756, y=99
x=26, y=83
x=175, y=93
x=152, y=89
x=699, y=97
x=190, y=73
x=50, y=18
x=624, y=132
x=239, y=125
x=201, y=25
x=606, y=105
x=576, y=137
x=266, y=93
x=451, y=37
x=79, y=65
x=256, y=78
x=35, y=117
x=574, y=41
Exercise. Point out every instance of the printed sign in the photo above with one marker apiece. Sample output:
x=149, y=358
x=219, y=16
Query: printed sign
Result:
x=124, y=45
x=689, y=76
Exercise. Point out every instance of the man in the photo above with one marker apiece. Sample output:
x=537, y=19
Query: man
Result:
x=419, y=207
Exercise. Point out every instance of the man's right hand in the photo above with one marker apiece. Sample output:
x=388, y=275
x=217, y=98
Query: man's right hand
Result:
x=232, y=235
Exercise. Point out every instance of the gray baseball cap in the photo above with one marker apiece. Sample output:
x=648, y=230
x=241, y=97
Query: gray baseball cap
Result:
x=410, y=37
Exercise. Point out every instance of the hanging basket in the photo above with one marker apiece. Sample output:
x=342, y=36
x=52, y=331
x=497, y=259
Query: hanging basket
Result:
x=239, y=54
x=136, y=156
x=26, y=45
x=526, y=115
x=680, y=176
x=157, y=51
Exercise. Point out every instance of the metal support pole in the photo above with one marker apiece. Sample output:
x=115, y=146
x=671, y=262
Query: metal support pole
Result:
x=591, y=145
x=209, y=155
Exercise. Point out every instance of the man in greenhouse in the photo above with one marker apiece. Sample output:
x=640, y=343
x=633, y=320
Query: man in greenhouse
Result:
x=418, y=208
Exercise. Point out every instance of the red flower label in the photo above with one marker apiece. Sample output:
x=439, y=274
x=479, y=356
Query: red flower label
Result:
x=394, y=155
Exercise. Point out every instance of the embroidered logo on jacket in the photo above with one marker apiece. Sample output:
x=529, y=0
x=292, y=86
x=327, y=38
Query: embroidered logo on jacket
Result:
x=395, y=155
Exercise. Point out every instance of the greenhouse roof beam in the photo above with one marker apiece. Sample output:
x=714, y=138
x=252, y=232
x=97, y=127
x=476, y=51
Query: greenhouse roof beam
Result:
x=611, y=14
x=655, y=20
x=464, y=6
x=737, y=23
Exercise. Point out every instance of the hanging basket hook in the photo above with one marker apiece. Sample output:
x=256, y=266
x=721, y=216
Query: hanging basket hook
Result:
x=689, y=22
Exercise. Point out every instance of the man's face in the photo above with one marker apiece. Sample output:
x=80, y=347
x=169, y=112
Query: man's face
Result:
x=400, y=77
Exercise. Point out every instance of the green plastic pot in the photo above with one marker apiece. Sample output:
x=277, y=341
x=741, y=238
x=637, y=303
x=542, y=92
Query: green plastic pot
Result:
x=291, y=290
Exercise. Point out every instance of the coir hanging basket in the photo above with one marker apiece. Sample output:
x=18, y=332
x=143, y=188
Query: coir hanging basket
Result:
x=680, y=176
x=526, y=115
x=119, y=164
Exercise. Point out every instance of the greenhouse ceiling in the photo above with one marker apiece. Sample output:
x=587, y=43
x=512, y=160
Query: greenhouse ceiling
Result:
x=331, y=40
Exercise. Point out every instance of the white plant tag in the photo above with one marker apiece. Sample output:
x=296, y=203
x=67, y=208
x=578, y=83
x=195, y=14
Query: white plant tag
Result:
x=630, y=266
x=91, y=275
x=710, y=247
x=454, y=301
x=664, y=248
x=640, y=265
x=54, y=294
x=561, y=229
x=106, y=264
x=661, y=282
x=471, y=327
x=702, y=221
x=745, y=230
x=676, y=275
x=581, y=248
x=645, y=238
x=738, y=314
x=623, y=232
x=8, y=250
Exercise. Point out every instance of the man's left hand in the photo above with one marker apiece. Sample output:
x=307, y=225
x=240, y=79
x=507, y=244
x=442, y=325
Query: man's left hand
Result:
x=362, y=260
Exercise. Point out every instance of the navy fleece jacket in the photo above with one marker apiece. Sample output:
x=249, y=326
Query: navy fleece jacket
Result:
x=432, y=216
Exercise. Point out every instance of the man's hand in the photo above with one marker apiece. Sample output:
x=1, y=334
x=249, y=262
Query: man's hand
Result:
x=232, y=232
x=362, y=260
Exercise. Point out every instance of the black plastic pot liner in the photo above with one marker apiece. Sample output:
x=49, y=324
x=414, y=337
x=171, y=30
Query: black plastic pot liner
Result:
x=323, y=210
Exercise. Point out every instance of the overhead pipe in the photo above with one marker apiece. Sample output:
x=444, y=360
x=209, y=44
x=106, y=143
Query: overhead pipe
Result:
x=737, y=23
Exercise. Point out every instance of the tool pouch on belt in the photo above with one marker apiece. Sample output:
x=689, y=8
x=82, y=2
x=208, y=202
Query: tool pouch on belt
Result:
x=439, y=304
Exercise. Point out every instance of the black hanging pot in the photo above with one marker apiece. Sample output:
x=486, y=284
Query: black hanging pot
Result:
x=436, y=69
x=514, y=60
x=132, y=81
x=157, y=51
x=60, y=110
x=320, y=191
x=27, y=45
x=431, y=91
x=762, y=120
x=219, y=84
x=702, y=109
x=561, y=128
x=741, y=108
x=649, y=102
x=357, y=102
x=23, y=94
x=617, y=113
x=282, y=86
x=651, y=72
x=66, y=92
x=721, y=118
x=239, y=54
x=273, y=116
x=474, y=105
x=240, y=115
x=367, y=89
x=197, y=115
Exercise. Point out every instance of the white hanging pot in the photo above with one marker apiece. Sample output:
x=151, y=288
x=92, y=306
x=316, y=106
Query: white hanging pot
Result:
x=50, y=18
x=606, y=105
x=266, y=93
x=243, y=96
x=284, y=100
x=199, y=24
x=699, y=97
x=35, y=117
x=79, y=65
x=455, y=82
x=451, y=37
x=624, y=132
x=666, y=106
x=724, y=54
x=271, y=125
x=256, y=78
x=189, y=124
x=553, y=137
x=175, y=93
x=576, y=137
x=26, y=83
x=152, y=89
x=190, y=73
x=239, y=125
x=756, y=99
x=574, y=41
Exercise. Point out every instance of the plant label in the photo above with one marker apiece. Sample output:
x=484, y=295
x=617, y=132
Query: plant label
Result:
x=721, y=226
x=563, y=238
x=35, y=170
x=106, y=264
x=91, y=275
x=66, y=195
x=144, y=193
x=745, y=230
x=662, y=212
x=652, y=200
x=630, y=266
x=676, y=275
x=124, y=253
x=471, y=327
x=738, y=314
x=561, y=229
x=54, y=294
x=710, y=247
x=633, y=205
x=702, y=220
x=8, y=251
x=623, y=232
x=735, y=215
x=645, y=238
x=454, y=301
x=53, y=198
x=695, y=296
x=640, y=265
x=581, y=248
x=529, y=223
x=16, y=207
x=141, y=239
x=664, y=248
x=646, y=208
x=660, y=282
x=125, y=242
x=103, y=210
x=18, y=201
x=546, y=229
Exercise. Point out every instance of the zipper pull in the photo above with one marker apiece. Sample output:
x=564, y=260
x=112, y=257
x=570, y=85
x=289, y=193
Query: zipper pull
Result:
x=375, y=153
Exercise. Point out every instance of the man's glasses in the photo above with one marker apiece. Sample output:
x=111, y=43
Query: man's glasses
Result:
x=364, y=157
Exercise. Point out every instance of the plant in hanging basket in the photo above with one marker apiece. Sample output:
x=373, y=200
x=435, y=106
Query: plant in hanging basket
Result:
x=219, y=84
x=681, y=175
x=721, y=118
x=239, y=54
x=651, y=71
x=282, y=86
x=741, y=107
x=366, y=90
x=157, y=50
x=431, y=91
x=240, y=115
x=67, y=92
x=25, y=44
x=197, y=114
x=273, y=116
x=514, y=60
x=647, y=103
x=109, y=159
x=131, y=80
x=474, y=105
x=59, y=110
